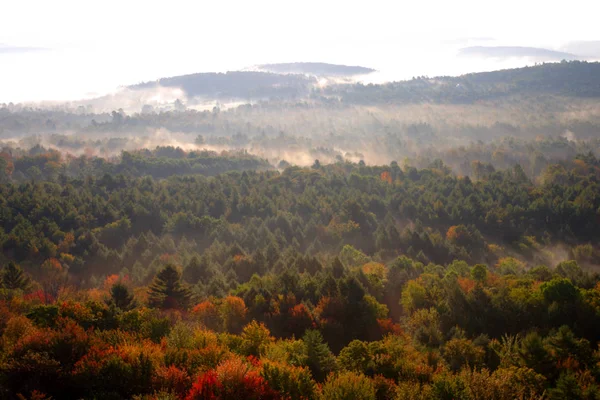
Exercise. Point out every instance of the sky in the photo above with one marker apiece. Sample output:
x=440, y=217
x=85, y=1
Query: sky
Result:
x=64, y=50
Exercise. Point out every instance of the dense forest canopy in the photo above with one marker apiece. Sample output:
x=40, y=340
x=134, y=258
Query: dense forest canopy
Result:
x=396, y=241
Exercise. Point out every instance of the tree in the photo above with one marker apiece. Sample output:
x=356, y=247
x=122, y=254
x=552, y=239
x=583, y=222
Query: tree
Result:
x=352, y=257
x=567, y=387
x=255, y=337
x=6, y=168
x=166, y=291
x=477, y=168
x=199, y=140
x=232, y=379
x=355, y=357
x=233, y=312
x=53, y=279
x=559, y=290
x=320, y=359
x=121, y=296
x=479, y=273
x=461, y=352
x=348, y=386
x=197, y=270
x=13, y=277
x=414, y=297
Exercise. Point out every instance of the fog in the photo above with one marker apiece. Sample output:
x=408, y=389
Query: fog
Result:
x=73, y=74
x=502, y=132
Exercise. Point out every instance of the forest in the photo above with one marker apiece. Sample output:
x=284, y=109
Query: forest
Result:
x=308, y=250
x=335, y=281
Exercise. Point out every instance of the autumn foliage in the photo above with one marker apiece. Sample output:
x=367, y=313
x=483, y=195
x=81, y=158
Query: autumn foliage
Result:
x=233, y=379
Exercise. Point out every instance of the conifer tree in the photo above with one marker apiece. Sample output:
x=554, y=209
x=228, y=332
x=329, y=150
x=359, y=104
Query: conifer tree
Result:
x=167, y=291
x=13, y=277
x=197, y=270
x=329, y=286
x=320, y=359
x=121, y=296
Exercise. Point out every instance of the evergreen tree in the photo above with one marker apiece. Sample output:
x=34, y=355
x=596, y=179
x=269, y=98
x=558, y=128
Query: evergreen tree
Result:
x=13, y=277
x=329, y=286
x=198, y=269
x=166, y=291
x=121, y=296
x=320, y=359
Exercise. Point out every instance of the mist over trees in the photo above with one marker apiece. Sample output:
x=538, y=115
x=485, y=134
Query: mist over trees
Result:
x=429, y=239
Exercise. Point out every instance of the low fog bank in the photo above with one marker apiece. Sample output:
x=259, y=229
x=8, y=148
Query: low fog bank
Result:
x=420, y=123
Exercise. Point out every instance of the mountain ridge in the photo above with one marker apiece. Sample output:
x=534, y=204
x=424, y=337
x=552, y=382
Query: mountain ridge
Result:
x=517, y=51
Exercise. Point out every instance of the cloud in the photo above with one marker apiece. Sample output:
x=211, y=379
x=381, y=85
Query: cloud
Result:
x=8, y=49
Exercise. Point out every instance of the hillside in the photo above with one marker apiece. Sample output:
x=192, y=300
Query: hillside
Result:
x=567, y=78
x=536, y=53
x=235, y=84
x=315, y=68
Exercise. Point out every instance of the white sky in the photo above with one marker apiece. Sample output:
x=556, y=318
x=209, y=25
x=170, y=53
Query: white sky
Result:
x=96, y=46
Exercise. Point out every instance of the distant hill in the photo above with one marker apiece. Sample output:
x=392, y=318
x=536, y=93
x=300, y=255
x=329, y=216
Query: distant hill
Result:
x=236, y=84
x=585, y=48
x=537, y=53
x=567, y=78
x=315, y=68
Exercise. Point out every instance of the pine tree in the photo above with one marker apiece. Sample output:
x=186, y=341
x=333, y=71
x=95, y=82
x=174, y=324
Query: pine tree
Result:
x=198, y=269
x=166, y=291
x=329, y=286
x=121, y=296
x=13, y=277
x=320, y=359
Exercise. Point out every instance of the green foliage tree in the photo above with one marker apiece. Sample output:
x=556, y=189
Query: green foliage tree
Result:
x=348, y=386
x=167, y=291
x=479, y=273
x=355, y=357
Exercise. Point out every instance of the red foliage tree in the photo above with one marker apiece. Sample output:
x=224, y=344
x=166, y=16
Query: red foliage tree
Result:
x=300, y=320
x=232, y=379
x=208, y=314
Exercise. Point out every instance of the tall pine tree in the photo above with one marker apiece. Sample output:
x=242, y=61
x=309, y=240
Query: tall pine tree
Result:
x=167, y=291
x=319, y=358
x=13, y=277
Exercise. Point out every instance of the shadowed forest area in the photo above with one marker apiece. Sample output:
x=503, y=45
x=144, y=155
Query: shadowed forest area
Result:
x=428, y=239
